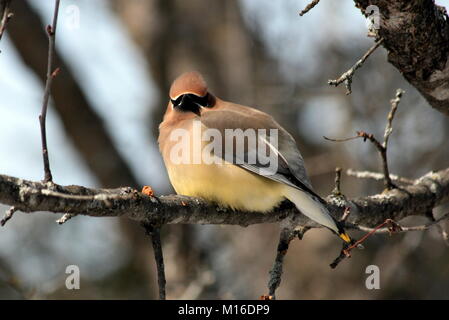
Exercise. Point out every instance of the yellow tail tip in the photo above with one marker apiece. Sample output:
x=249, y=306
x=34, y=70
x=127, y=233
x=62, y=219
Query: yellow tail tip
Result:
x=345, y=237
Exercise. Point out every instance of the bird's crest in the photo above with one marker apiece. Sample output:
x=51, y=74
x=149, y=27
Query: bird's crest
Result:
x=188, y=83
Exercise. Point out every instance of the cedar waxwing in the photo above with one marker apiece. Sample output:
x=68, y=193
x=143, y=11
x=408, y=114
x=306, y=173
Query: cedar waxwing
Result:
x=230, y=179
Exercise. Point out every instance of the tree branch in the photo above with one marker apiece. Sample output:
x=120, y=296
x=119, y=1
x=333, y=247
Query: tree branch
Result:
x=337, y=189
x=346, y=77
x=309, y=7
x=8, y=215
x=416, y=36
x=377, y=176
x=381, y=147
x=426, y=193
x=419, y=198
x=51, y=32
x=155, y=233
x=422, y=227
x=287, y=234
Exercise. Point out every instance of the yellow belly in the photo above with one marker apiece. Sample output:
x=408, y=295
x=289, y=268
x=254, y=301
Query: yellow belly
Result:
x=227, y=185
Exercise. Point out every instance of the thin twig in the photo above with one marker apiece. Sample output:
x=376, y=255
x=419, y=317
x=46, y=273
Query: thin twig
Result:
x=347, y=76
x=337, y=190
x=5, y=15
x=382, y=151
x=309, y=7
x=340, y=257
x=393, y=228
x=346, y=214
x=381, y=147
x=66, y=217
x=377, y=176
x=346, y=250
x=341, y=140
x=394, y=106
x=155, y=233
x=388, y=130
x=422, y=227
x=8, y=215
x=51, y=74
x=383, y=154
x=285, y=237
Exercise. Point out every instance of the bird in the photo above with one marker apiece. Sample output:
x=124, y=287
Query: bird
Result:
x=230, y=180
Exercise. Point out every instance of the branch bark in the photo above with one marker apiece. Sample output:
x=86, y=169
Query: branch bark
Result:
x=416, y=36
x=286, y=236
x=155, y=233
x=420, y=198
x=5, y=15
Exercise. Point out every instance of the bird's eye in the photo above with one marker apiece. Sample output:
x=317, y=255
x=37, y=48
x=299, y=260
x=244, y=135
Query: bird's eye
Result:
x=201, y=101
x=177, y=102
x=191, y=98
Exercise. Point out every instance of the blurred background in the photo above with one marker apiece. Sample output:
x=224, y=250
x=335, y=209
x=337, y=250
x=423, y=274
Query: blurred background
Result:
x=118, y=58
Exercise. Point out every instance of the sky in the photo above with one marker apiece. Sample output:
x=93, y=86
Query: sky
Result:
x=120, y=90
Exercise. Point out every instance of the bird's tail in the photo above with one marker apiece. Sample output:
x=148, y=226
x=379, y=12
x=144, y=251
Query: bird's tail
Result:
x=315, y=210
x=342, y=233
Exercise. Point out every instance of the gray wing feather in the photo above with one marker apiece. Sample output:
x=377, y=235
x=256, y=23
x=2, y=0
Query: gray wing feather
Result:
x=290, y=171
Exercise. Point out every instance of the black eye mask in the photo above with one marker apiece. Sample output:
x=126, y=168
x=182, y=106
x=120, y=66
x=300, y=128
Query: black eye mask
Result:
x=191, y=101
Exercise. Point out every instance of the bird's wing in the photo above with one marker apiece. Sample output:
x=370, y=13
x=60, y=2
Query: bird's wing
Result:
x=290, y=164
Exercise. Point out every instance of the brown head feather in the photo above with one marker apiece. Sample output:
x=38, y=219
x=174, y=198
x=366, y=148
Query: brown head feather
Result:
x=189, y=82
